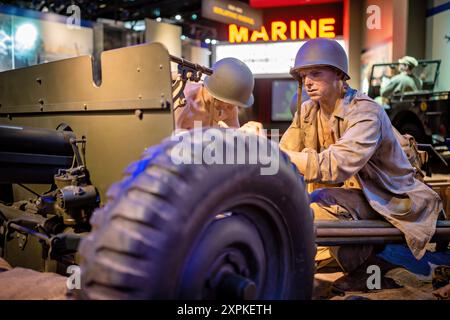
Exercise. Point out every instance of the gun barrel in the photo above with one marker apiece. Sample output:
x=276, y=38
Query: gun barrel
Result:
x=192, y=65
x=33, y=155
x=35, y=140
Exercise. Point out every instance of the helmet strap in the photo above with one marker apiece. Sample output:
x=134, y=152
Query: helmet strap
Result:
x=299, y=100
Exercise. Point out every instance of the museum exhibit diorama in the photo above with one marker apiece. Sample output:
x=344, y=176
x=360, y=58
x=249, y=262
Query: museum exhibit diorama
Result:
x=225, y=150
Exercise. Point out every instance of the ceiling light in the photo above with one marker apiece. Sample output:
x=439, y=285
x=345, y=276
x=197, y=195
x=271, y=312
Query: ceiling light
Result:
x=26, y=36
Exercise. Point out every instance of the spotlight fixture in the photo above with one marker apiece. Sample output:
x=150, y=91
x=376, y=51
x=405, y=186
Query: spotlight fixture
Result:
x=26, y=36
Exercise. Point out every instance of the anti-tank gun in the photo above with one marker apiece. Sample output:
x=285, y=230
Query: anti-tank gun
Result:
x=42, y=229
x=242, y=239
x=43, y=232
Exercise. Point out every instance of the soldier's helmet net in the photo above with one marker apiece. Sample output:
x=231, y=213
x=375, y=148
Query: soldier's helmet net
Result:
x=231, y=82
x=320, y=52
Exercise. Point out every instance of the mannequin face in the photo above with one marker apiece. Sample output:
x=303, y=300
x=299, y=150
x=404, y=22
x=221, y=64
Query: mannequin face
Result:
x=403, y=67
x=320, y=82
x=218, y=104
x=222, y=105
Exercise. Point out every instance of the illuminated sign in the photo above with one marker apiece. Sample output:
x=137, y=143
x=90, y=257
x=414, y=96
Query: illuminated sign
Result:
x=279, y=30
x=283, y=3
x=232, y=12
x=264, y=59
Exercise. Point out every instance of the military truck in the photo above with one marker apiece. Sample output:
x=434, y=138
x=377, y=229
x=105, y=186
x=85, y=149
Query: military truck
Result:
x=423, y=114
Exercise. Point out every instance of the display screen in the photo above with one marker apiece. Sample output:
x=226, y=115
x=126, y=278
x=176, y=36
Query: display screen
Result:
x=282, y=93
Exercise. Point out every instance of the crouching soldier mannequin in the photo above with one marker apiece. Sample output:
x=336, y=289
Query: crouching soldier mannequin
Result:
x=215, y=102
x=344, y=142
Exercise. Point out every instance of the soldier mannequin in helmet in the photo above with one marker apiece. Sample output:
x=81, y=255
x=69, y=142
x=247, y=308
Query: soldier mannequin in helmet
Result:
x=405, y=81
x=343, y=141
x=215, y=102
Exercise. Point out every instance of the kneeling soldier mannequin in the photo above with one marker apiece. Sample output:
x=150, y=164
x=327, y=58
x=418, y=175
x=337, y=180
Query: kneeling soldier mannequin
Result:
x=215, y=102
x=343, y=141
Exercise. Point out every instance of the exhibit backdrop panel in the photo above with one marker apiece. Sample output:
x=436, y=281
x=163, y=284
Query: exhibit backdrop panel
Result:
x=438, y=40
x=28, y=38
x=165, y=33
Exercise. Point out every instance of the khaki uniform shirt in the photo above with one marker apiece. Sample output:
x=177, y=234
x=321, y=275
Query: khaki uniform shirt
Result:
x=367, y=148
x=401, y=83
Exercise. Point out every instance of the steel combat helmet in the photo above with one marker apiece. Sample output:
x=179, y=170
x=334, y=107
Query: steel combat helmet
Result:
x=231, y=82
x=321, y=52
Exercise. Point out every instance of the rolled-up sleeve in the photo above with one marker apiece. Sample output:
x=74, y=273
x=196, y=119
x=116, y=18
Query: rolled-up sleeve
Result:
x=292, y=139
x=347, y=156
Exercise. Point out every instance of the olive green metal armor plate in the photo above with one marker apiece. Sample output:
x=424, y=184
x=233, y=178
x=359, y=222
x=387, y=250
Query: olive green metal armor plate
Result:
x=130, y=110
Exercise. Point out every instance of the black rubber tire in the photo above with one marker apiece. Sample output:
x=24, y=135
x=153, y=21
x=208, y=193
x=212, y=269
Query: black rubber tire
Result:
x=149, y=240
x=415, y=130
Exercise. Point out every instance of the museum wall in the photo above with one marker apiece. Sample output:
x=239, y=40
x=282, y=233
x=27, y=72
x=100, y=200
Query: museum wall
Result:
x=438, y=39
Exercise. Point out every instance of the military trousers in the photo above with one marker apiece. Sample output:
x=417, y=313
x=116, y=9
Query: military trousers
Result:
x=341, y=203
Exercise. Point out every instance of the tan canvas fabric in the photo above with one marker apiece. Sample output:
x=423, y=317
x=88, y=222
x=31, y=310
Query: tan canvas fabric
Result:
x=366, y=148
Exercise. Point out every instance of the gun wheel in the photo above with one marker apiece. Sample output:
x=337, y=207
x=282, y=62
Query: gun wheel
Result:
x=201, y=232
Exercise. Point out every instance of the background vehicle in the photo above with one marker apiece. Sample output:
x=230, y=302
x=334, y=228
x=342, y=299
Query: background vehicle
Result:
x=423, y=114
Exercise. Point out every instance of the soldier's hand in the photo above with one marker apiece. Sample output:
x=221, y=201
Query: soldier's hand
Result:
x=253, y=127
x=222, y=124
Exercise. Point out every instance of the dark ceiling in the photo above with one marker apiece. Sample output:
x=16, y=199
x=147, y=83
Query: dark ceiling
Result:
x=123, y=10
x=194, y=26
